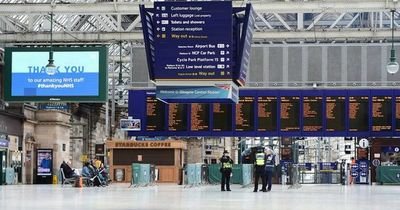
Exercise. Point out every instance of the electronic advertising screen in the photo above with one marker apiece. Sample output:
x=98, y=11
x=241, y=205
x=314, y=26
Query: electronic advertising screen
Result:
x=245, y=114
x=222, y=117
x=382, y=113
x=312, y=113
x=44, y=162
x=335, y=113
x=290, y=113
x=199, y=117
x=80, y=74
x=397, y=109
x=358, y=113
x=267, y=113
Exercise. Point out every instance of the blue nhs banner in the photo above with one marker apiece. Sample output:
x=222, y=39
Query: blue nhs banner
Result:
x=77, y=74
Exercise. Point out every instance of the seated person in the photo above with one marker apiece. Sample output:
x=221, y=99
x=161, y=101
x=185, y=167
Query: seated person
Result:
x=86, y=170
x=68, y=171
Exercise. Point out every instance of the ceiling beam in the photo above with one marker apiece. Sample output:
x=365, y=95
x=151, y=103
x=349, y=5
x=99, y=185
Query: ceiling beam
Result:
x=260, y=6
x=113, y=37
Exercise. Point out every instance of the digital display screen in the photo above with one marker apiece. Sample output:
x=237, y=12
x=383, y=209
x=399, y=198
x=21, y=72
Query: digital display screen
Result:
x=199, y=117
x=222, y=117
x=290, y=111
x=177, y=117
x=79, y=74
x=397, y=113
x=358, y=113
x=335, y=113
x=381, y=113
x=44, y=162
x=76, y=74
x=312, y=113
x=245, y=114
x=267, y=113
x=155, y=114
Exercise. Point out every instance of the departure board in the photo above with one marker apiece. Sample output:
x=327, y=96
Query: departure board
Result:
x=358, y=113
x=155, y=114
x=177, y=117
x=222, y=117
x=335, y=113
x=381, y=113
x=199, y=117
x=267, y=113
x=397, y=113
x=312, y=113
x=245, y=114
x=290, y=111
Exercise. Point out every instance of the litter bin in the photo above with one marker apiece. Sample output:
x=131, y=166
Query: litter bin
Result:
x=119, y=174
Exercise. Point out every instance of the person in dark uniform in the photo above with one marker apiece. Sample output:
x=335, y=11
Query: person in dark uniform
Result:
x=226, y=170
x=259, y=165
x=269, y=168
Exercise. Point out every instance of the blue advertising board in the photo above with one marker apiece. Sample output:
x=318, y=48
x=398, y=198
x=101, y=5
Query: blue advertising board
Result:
x=262, y=112
x=305, y=166
x=193, y=40
x=80, y=74
x=327, y=166
x=362, y=170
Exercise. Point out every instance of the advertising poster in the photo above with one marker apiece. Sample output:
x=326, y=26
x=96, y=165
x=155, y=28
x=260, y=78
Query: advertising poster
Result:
x=130, y=124
x=44, y=162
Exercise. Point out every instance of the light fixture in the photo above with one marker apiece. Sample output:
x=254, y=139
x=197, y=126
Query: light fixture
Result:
x=50, y=67
x=314, y=85
x=392, y=67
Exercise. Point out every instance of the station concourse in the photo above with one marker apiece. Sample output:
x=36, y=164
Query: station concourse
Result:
x=157, y=104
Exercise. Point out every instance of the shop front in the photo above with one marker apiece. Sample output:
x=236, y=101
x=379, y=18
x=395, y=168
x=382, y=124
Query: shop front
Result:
x=385, y=161
x=11, y=132
x=3, y=159
x=166, y=156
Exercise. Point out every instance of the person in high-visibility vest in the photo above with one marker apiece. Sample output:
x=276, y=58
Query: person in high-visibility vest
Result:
x=226, y=170
x=259, y=165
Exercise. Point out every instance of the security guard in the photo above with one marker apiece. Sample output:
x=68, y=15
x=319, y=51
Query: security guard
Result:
x=269, y=168
x=226, y=170
x=259, y=165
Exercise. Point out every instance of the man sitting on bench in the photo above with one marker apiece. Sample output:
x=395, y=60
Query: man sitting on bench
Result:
x=68, y=171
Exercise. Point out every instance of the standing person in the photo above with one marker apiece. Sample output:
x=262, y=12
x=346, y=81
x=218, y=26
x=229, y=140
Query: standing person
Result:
x=259, y=165
x=226, y=170
x=352, y=165
x=269, y=168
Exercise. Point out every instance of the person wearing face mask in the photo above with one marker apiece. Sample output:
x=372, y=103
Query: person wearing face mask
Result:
x=226, y=170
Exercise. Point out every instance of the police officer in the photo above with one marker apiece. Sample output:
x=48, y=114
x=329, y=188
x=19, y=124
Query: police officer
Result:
x=226, y=170
x=269, y=168
x=259, y=165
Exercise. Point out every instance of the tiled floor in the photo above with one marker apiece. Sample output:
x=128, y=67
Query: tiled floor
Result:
x=309, y=197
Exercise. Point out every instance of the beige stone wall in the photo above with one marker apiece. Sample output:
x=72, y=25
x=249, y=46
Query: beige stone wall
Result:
x=53, y=131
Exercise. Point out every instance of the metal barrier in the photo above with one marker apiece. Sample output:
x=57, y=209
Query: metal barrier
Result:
x=295, y=177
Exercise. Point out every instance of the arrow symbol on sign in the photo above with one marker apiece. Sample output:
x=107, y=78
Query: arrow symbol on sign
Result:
x=227, y=45
x=158, y=22
x=158, y=29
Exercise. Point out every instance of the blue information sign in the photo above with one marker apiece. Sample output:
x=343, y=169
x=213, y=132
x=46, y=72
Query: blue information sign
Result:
x=193, y=40
x=247, y=36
